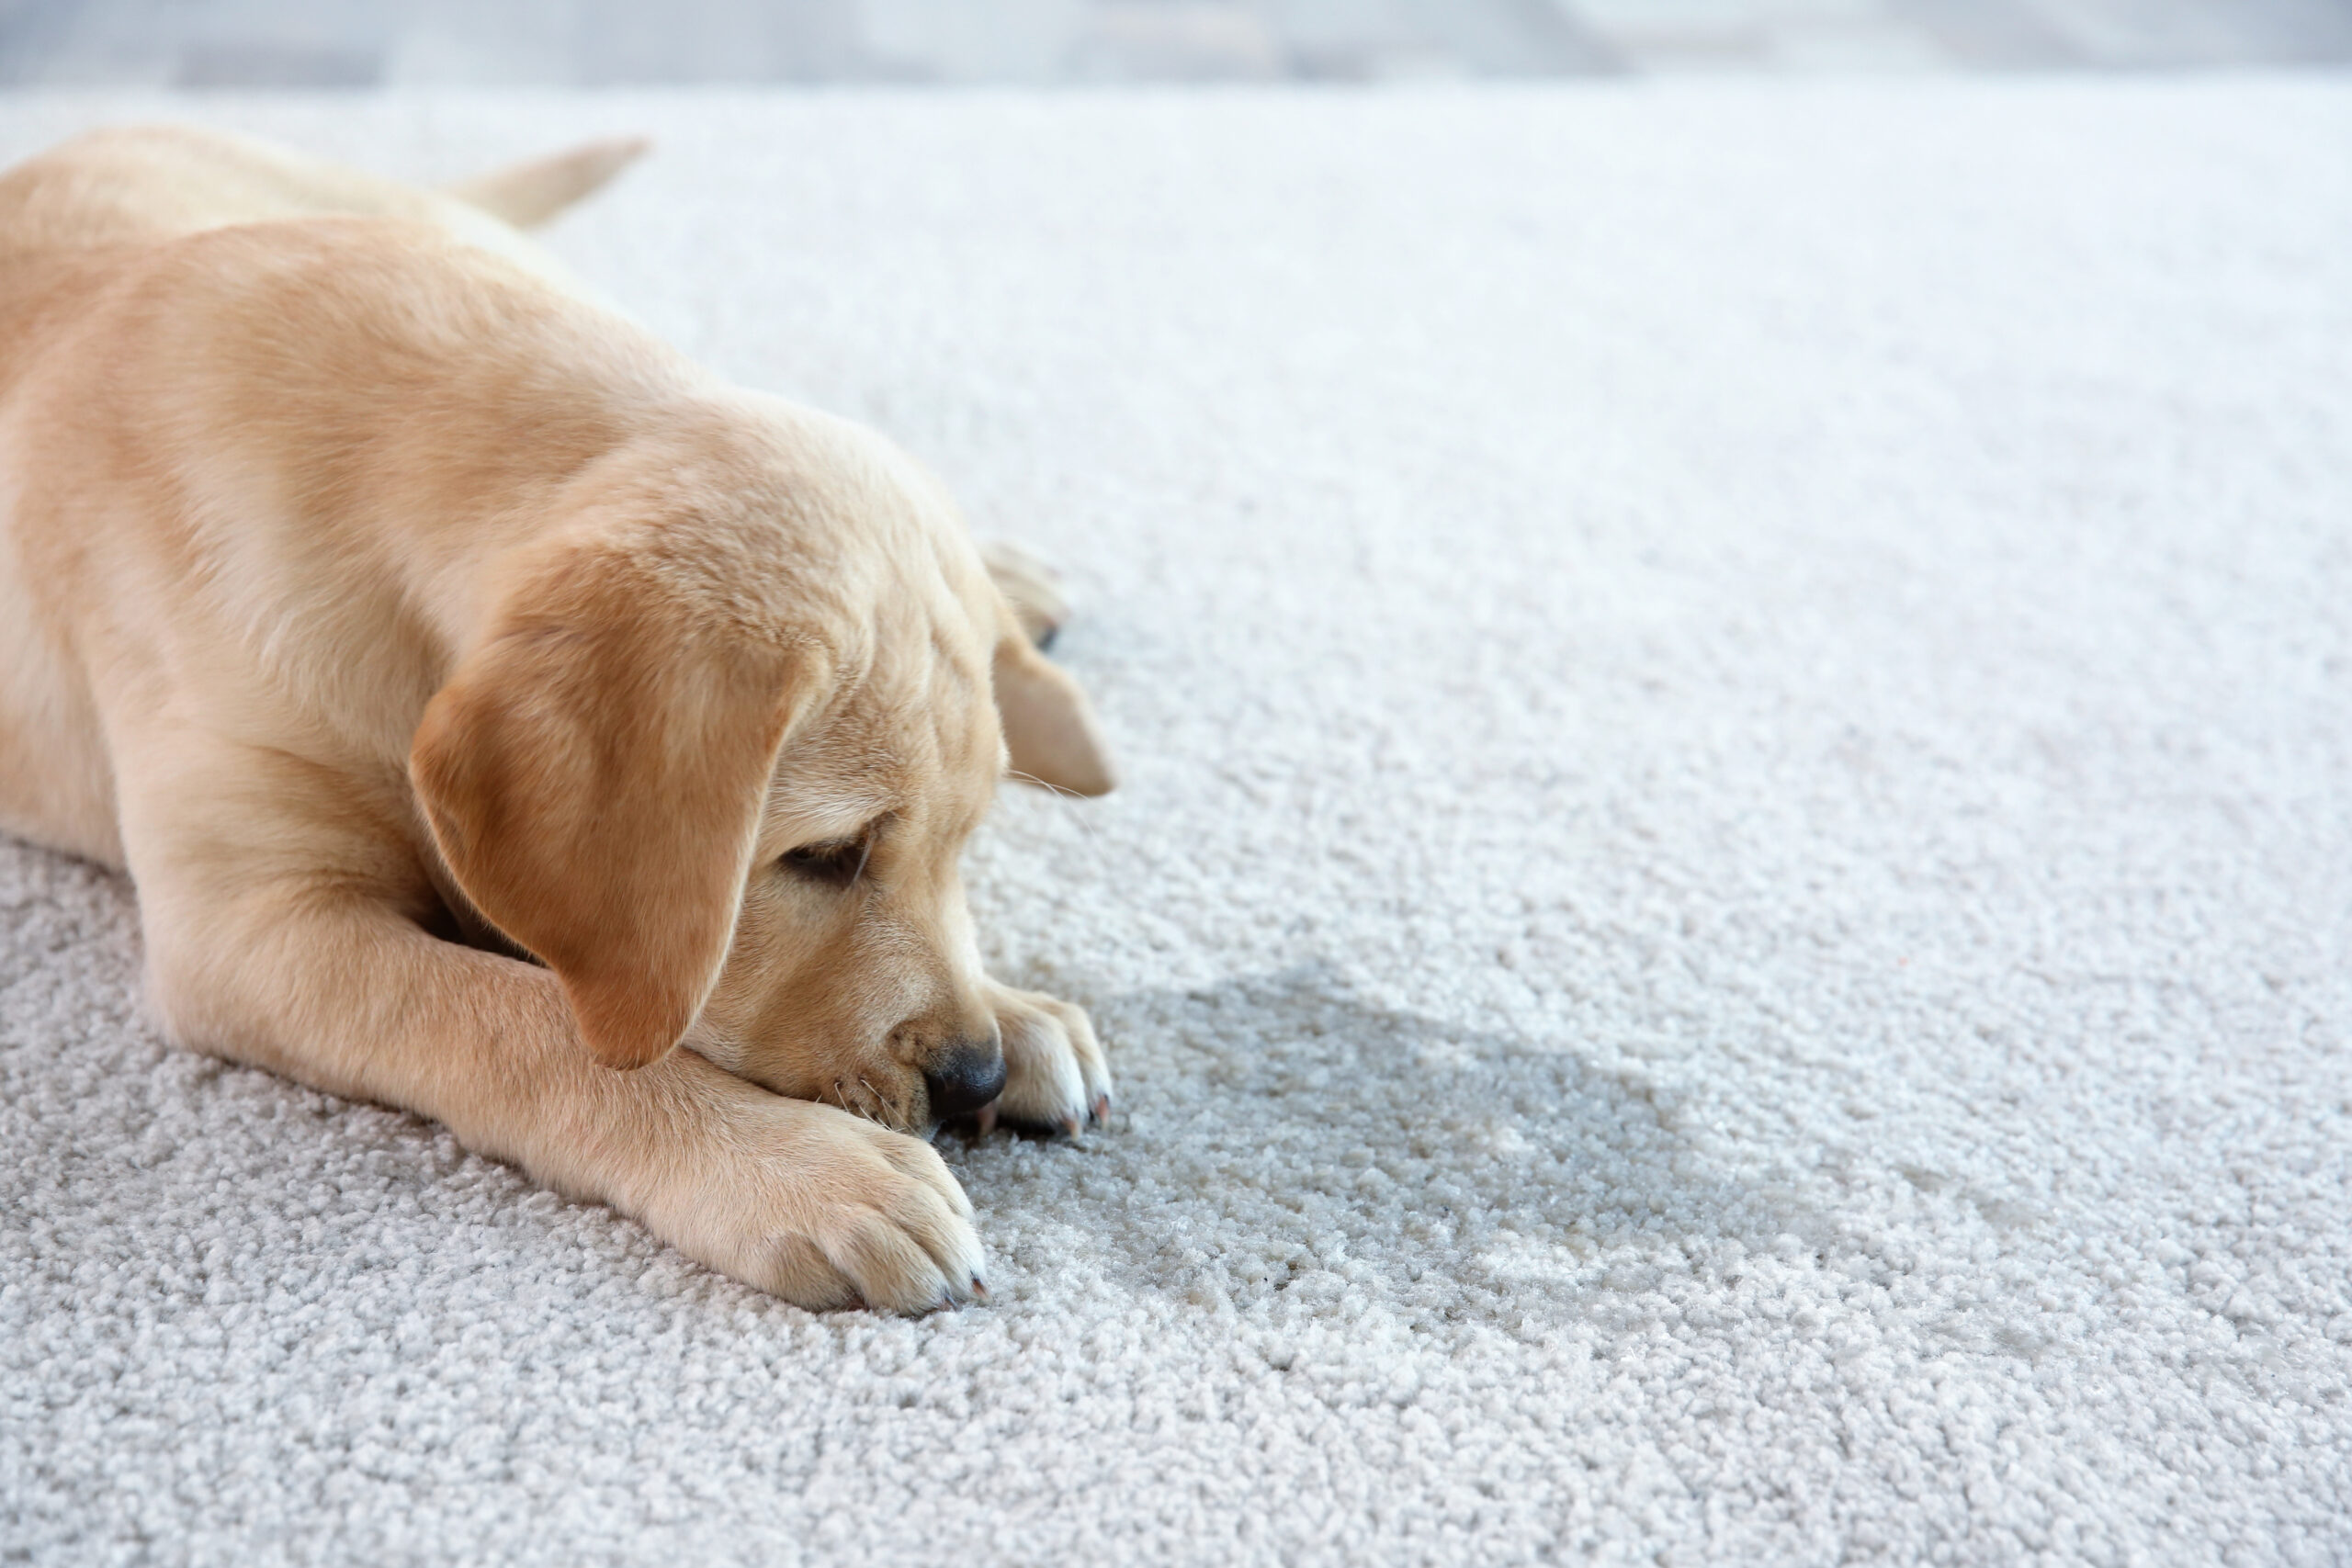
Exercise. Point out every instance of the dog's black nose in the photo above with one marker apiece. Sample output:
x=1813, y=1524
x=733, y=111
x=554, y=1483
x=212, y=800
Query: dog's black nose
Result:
x=964, y=1076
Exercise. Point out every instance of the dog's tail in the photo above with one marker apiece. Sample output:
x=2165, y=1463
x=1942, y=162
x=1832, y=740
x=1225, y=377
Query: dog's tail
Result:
x=526, y=195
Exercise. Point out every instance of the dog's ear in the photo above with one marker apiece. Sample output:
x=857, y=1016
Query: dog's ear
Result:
x=1049, y=726
x=593, y=775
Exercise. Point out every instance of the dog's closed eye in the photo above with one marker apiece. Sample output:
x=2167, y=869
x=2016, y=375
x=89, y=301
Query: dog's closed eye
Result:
x=834, y=863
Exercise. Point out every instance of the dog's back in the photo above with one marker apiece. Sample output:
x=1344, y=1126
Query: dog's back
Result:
x=83, y=228
x=141, y=184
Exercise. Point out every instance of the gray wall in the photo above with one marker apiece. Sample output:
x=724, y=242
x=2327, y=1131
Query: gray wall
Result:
x=589, y=42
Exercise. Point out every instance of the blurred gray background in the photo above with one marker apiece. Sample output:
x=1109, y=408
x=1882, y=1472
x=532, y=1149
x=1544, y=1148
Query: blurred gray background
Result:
x=366, y=43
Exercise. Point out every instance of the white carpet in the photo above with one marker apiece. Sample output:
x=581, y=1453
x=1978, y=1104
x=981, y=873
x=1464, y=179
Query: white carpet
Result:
x=1729, y=937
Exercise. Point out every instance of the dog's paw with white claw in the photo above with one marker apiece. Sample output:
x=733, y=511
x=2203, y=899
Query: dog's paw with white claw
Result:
x=822, y=1208
x=1055, y=1075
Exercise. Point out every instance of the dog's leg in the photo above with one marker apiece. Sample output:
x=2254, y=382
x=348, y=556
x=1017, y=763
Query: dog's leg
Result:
x=280, y=918
x=1054, y=1072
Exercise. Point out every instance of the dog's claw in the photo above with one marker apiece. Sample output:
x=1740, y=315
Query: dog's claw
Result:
x=980, y=1287
x=1069, y=1125
x=986, y=1117
x=1100, y=1111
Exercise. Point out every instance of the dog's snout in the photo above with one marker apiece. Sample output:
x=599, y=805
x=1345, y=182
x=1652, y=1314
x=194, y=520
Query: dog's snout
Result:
x=964, y=1076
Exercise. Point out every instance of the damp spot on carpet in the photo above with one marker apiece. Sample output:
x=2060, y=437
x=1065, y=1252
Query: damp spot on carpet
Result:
x=1286, y=1149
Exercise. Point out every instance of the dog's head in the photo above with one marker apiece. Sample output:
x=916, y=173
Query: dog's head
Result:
x=716, y=749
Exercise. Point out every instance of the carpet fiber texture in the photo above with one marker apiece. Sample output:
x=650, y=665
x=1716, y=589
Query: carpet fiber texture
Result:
x=1728, y=938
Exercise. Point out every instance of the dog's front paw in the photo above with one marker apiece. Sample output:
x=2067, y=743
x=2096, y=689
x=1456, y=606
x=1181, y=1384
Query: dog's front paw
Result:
x=824, y=1209
x=1054, y=1071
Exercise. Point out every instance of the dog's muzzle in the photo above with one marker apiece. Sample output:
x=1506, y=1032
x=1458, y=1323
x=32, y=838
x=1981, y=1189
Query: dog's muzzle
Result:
x=963, y=1077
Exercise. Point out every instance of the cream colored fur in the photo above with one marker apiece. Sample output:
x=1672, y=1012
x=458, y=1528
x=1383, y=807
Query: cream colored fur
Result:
x=485, y=701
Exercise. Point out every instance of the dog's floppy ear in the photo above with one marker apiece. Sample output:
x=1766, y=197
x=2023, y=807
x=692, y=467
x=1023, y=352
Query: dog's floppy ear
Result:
x=1049, y=726
x=593, y=775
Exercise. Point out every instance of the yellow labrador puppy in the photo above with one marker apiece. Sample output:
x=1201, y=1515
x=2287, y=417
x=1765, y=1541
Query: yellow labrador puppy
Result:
x=487, y=704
